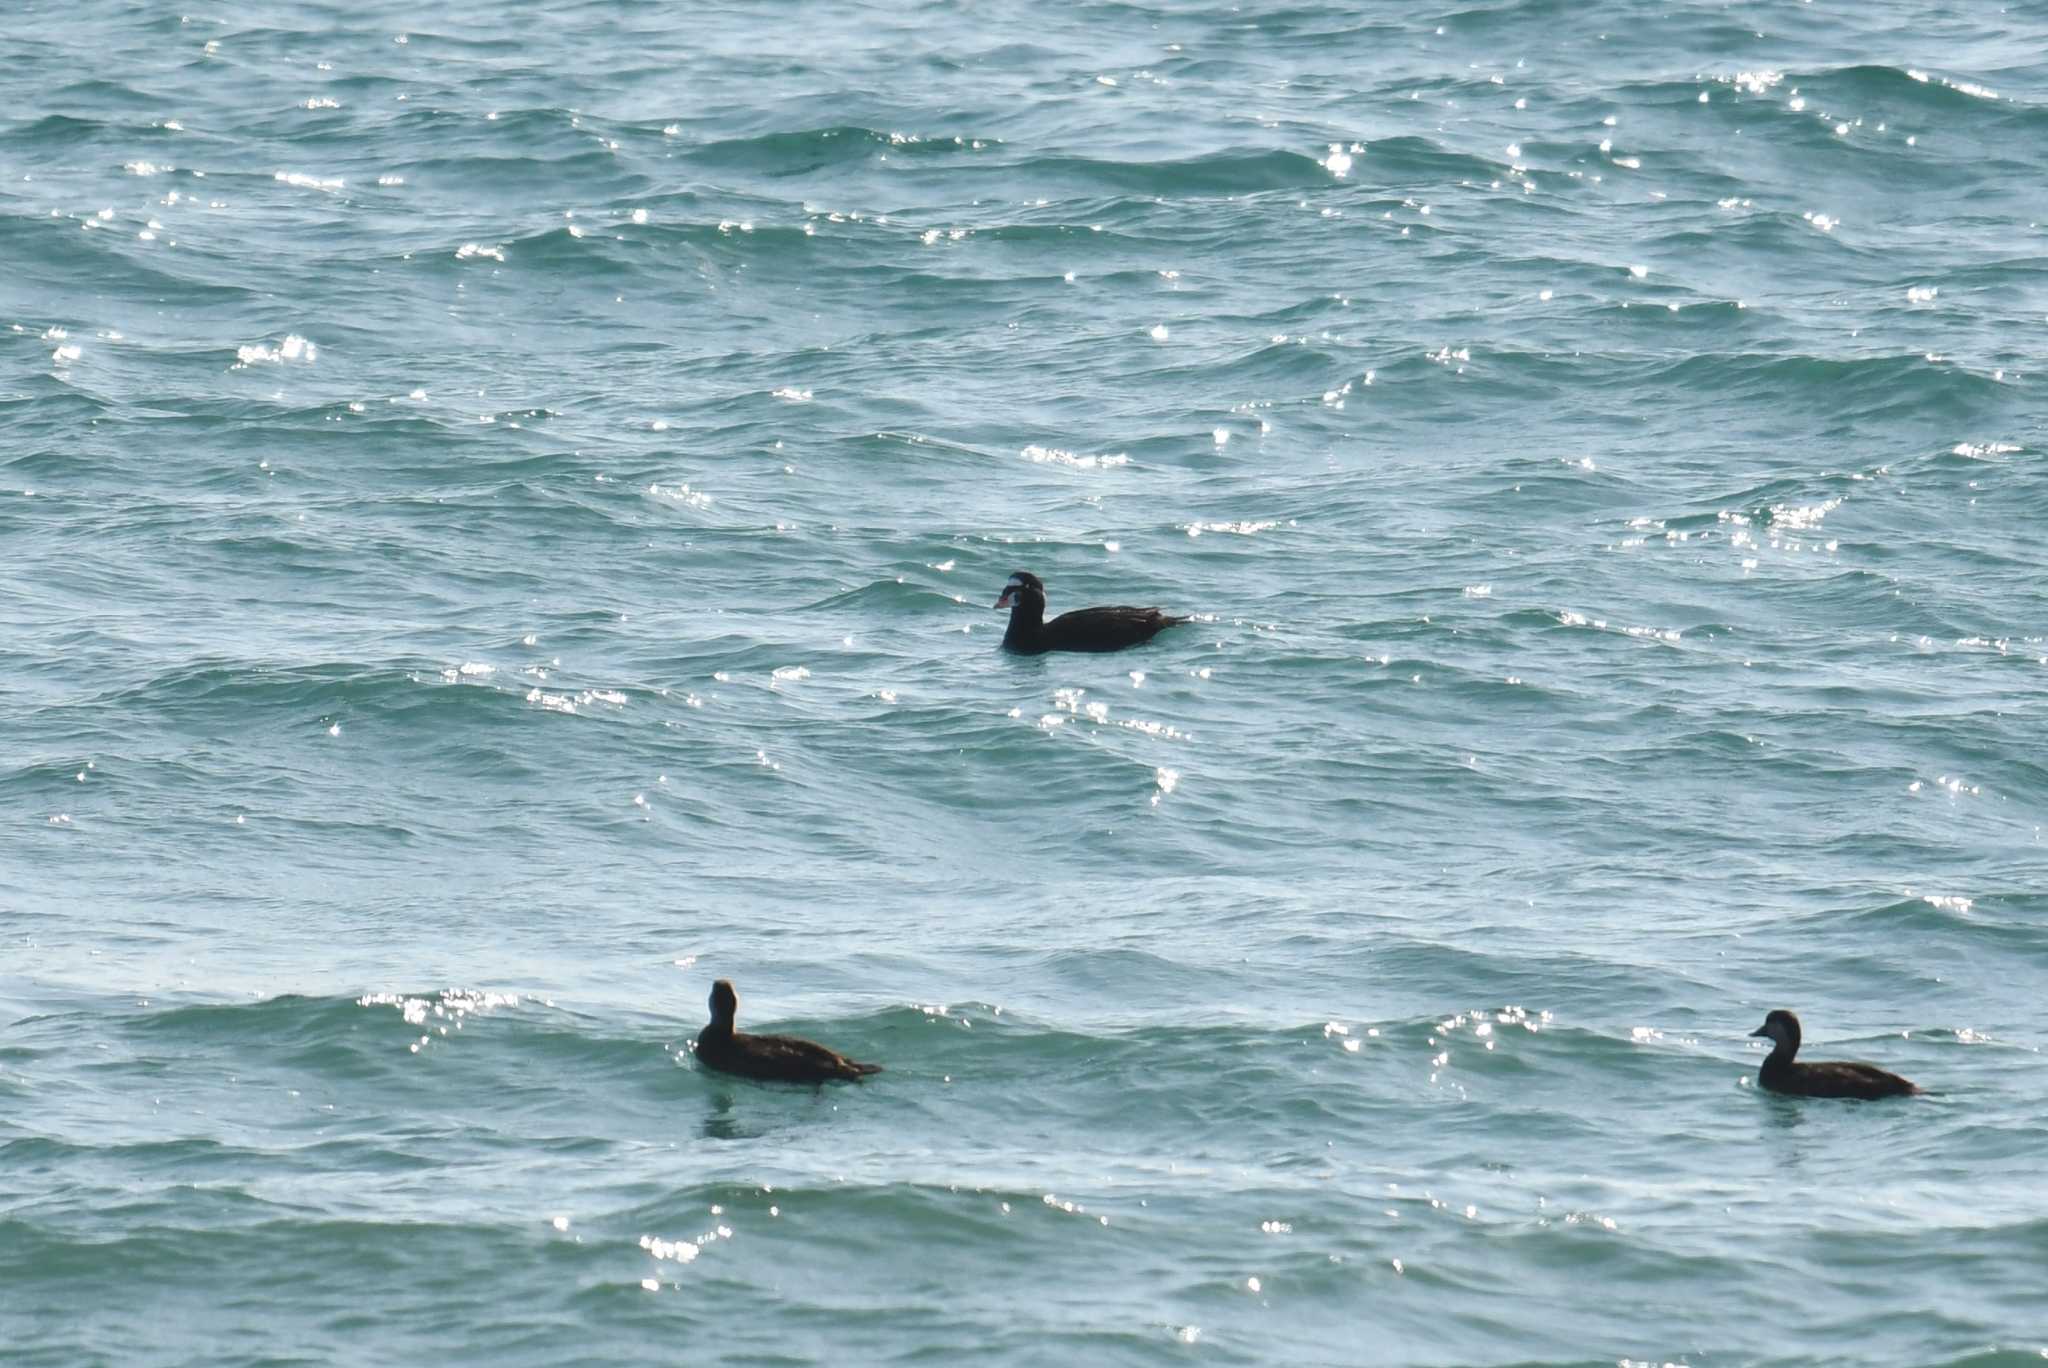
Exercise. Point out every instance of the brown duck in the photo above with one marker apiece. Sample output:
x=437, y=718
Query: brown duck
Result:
x=772, y=1058
x=1823, y=1078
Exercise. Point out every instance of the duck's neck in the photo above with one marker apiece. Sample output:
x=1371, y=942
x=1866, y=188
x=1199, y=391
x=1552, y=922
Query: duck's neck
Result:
x=1780, y=1057
x=719, y=1029
x=1027, y=621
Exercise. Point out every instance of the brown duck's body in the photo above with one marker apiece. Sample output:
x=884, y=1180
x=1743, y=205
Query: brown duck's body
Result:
x=770, y=1058
x=1823, y=1078
x=1085, y=629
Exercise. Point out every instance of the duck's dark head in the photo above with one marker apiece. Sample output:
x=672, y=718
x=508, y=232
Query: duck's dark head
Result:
x=1023, y=588
x=1781, y=1028
x=725, y=1003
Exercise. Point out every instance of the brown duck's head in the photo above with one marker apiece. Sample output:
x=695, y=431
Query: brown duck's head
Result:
x=1023, y=585
x=724, y=1003
x=1781, y=1028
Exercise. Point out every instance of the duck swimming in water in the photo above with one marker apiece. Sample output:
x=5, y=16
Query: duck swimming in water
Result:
x=1827, y=1078
x=1084, y=629
x=772, y=1058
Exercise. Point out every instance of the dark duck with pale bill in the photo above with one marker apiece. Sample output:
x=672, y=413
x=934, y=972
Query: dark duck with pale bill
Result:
x=1084, y=629
x=770, y=1058
x=1823, y=1078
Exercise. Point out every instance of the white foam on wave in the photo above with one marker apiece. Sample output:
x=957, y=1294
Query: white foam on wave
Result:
x=1668, y=635
x=678, y=1251
x=1970, y=88
x=1043, y=455
x=439, y=1015
x=1802, y=517
x=299, y=180
x=294, y=349
x=680, y=494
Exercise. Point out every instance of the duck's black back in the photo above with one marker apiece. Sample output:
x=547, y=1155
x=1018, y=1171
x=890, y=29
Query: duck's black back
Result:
x=1103, y=629
x=776, y=1059
x=1835, y=1079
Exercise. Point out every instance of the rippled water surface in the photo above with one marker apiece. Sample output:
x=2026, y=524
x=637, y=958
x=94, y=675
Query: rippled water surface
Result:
x=499, y=509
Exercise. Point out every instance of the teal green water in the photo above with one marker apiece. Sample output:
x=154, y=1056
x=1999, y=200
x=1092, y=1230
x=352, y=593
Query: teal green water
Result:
x=500, y=510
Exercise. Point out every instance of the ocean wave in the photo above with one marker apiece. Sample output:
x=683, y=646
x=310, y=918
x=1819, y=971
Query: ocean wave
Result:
x=1868, y=385
x=1891, y=88
x=1233, y=172
x=608, y=608
x=801, y=151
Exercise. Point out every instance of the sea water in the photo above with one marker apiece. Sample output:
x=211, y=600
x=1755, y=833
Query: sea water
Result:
x=500, y=509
